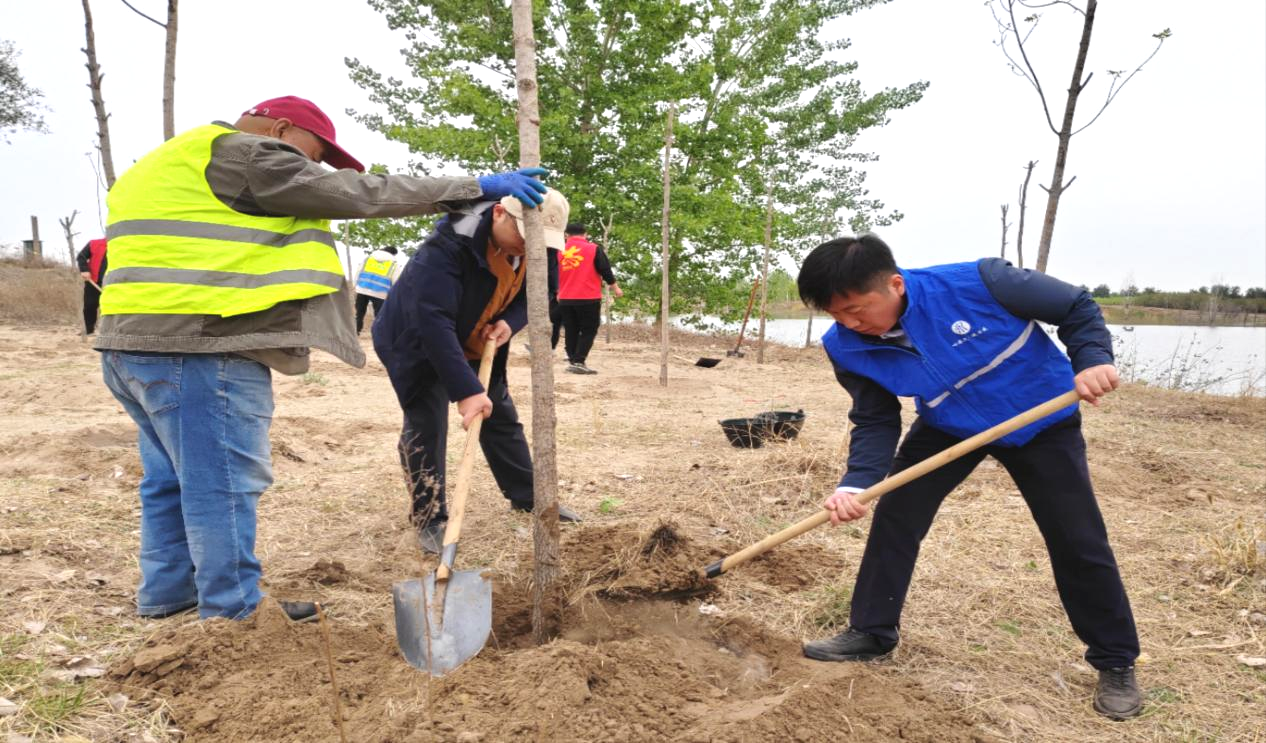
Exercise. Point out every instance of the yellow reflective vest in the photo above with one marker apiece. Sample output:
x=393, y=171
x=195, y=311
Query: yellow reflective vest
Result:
x=175, y=248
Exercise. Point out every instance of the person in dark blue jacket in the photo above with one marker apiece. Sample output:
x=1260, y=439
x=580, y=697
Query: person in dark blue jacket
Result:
x=963, y=340
x=464, y=286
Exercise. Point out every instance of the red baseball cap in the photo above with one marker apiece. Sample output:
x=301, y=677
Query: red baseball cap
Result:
x=307, y=115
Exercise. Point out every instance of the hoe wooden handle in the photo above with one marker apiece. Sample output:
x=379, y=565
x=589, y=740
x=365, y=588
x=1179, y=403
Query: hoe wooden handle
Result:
x=896, y=481
x=457, y=511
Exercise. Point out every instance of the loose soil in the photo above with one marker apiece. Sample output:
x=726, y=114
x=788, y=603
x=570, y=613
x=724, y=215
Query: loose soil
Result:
x=645, y=649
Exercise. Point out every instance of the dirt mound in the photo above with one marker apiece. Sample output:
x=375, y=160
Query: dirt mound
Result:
x=627, y=665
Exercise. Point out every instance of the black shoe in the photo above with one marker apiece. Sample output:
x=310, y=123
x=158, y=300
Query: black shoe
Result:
x=850, y=645
x=576, y=368
x=431, y=536
x=299, y=611
x=565, y=514
x=172, y=613
x=1117, y=694
x=582, y=369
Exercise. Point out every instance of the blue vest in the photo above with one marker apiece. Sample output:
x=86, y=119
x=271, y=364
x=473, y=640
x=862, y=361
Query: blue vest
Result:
x=977, y=364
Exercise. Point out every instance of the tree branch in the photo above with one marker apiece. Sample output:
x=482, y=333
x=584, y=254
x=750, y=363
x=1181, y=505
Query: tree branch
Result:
x=1114, y=89
x=160, y=24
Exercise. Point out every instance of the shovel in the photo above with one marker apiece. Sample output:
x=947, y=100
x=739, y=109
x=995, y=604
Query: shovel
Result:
x=443, y=620
x=751, y=299
x=892, y=483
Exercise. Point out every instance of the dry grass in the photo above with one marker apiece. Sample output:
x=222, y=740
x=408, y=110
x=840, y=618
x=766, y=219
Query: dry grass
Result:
x=39, y=292
x=1180, y=477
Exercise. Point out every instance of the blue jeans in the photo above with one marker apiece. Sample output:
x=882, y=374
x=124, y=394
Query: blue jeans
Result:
x=203, y=421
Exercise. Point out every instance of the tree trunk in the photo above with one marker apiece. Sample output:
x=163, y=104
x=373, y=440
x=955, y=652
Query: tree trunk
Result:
x=68, y=229
x=98, y=104
x=808, y=331
x=1065, y=134
x=606, y=290
x=546, y=601
x=663, y=285
x=1024, y=200
x=1003, y=255
x=169, y=74
x=764, y=271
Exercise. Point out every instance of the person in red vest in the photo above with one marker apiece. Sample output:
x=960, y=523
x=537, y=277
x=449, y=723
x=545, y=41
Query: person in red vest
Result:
x=582, y=267
x=92, y=266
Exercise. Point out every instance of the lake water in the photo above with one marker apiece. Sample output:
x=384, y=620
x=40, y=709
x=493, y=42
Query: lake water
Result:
x=1218, y=360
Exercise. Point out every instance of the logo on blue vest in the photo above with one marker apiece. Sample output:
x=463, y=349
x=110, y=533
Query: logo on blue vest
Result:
x=962, y=327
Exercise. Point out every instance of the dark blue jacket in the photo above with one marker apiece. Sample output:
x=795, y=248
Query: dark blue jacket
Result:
x=435, y=305
x=990, y=288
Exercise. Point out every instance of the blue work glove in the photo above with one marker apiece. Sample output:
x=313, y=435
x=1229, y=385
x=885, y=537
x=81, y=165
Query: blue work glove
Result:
x=521, y=184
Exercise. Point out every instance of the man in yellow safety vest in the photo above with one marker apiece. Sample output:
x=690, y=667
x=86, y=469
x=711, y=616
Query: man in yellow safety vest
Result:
x=222, y=270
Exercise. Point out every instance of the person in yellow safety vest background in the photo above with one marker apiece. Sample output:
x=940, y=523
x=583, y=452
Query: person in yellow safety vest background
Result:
x=222, y=270
x=377, y=275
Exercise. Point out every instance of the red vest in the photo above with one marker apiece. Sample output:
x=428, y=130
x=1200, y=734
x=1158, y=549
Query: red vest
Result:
x=577, y=277
x=96, y=254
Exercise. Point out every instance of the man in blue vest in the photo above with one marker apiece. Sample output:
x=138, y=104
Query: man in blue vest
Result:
x=964, y=341
x=378, y=274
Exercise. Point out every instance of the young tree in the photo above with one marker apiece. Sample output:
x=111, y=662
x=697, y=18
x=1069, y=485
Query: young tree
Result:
x=546, y=604
x=1014, y=35
x=98, y=101
x=757, y=93
x=169, y=64
x=665, y=308
x=20, y=106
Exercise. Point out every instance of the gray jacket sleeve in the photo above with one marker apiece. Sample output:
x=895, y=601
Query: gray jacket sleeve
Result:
x=266, y=177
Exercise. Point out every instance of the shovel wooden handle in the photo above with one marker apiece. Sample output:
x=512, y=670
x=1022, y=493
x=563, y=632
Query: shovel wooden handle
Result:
x=457, y=510
x=892, y=483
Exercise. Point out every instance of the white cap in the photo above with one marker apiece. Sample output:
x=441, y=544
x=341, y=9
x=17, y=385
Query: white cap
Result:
x=554, y=211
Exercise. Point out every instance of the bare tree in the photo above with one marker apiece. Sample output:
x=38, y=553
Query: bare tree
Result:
x=666, y=233
x=68, y=229
x=169, y=64
x=1005, y=227
x=546, y=603
x=1024, y=200
x=1012, y=40
x=98, y=103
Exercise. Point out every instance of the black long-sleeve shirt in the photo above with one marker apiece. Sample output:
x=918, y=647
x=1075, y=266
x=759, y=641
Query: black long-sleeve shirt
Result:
x=1027, y=294
x=84, y=260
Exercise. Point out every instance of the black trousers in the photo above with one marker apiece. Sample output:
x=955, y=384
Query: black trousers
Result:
x=423, y=445
x=556, y=323
x=581, y=322
x=362, y=303
x=1054, y=479
x=92, y=302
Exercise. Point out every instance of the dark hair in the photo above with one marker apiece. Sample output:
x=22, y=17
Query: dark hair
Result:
x=845, y=265
x=392, y=249
x=576, y=228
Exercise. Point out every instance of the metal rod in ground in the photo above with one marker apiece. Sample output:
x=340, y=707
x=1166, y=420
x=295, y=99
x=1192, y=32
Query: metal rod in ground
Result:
x=329, y=660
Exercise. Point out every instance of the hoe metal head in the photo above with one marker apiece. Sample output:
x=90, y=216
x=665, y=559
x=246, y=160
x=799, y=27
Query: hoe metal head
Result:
x=439, y=627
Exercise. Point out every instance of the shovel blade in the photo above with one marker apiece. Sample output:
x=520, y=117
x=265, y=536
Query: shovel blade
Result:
x=707, y=363
x=439, y=638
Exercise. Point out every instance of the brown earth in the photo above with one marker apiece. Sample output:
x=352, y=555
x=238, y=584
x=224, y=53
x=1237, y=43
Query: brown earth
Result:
x=646, y=650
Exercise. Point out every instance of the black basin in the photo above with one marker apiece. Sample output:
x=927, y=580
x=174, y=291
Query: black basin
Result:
x=747, y=433
x=782, y=424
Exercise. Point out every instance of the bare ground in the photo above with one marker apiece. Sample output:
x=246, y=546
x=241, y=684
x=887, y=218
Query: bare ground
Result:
x=987, y=653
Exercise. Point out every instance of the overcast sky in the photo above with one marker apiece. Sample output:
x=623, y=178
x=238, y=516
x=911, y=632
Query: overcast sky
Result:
x=1171, y=181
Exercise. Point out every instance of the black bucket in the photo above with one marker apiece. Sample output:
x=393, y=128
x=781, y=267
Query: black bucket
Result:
x=746, y=433
x=781, y=424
